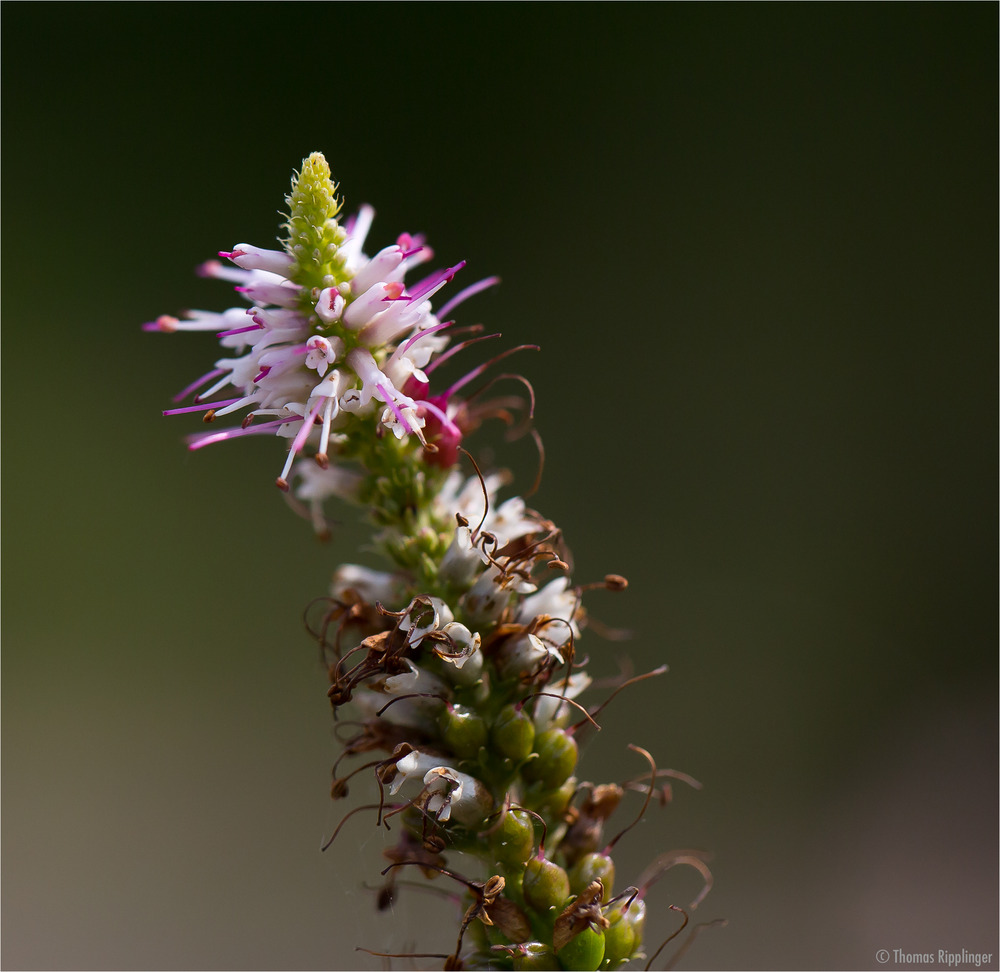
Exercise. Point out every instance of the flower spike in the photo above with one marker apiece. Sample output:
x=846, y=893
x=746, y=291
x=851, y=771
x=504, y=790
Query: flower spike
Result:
x=454, y=671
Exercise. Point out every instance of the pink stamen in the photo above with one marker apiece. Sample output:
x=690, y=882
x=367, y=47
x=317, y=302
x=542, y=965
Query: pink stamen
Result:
x=235, y=406
x=467, y=293
x=445, y=421
x=306, y=427
x=441, y=359
x=409, y=342
x=429, y=283
x=242, y=330
x=264, y=372
x=201, y=408
x=199, y=442
x=218, y=386
x=197, y=383
x=476, y=372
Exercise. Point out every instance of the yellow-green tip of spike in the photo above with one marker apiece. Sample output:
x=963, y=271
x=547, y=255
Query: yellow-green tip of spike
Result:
x=314, y=235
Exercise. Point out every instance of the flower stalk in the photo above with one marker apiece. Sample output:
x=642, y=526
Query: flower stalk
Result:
x=458, y=661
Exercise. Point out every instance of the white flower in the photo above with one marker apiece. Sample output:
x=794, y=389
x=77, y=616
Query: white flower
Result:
x=414, y=681
x=461, y=653
x=559, y=602
x=414, y=766
x=466, y=642
x=526, y=655
x=425, y=690
x=254, y=258
x=423, y=615
x=485, y=601
x=457, y=796
x=490, y=527
x=323, y=352
x=367, y=584
x=317, y=484
x=447, y=794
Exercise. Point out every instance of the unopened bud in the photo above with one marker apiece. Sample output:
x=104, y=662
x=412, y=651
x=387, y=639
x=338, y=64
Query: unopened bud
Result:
x=584, y=951
x=557, y=802
x=590, y=868
x=463, y=731
x=513, y=733
x=557, y=755
x=535, y=956
x=624, y=934
x=545, y=885
x=514, y=839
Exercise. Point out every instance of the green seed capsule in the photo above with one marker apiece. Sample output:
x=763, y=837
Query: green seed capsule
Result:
x=513, y=733
x=624, y=935
x=535, y=955
x=463, y=731
x=557, y=755
x=592, y=867
x=514, y=840
x=545, y=885
x=583, y=952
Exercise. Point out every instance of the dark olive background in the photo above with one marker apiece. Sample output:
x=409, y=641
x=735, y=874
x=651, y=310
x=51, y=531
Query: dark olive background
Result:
x=757, y=245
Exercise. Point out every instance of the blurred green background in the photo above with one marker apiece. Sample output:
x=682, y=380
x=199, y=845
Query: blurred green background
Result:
x=757, y=245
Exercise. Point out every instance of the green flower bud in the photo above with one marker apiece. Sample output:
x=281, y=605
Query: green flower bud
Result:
x=463, y=731
x=556, y=801
x=557, y=755
x=514, y=840
x=535, y=955
x=624, y=935
x=513, y=733
x=592, y=867
x=545, y=885
x=583, y=952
